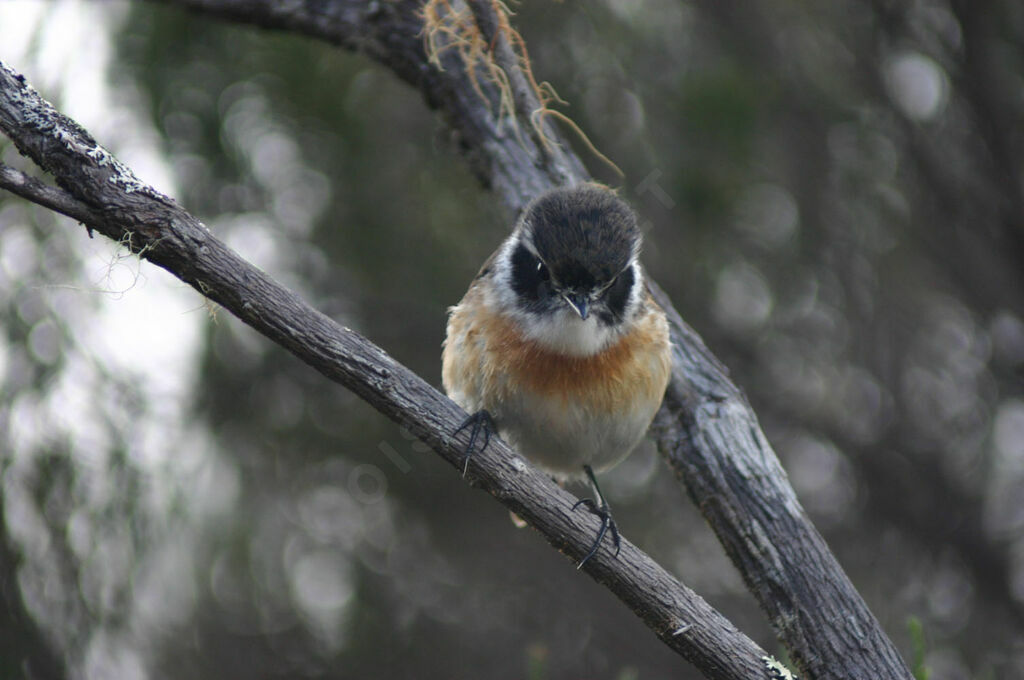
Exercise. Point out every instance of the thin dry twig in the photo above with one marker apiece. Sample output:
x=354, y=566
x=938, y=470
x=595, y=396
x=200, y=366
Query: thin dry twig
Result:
x=496, y=51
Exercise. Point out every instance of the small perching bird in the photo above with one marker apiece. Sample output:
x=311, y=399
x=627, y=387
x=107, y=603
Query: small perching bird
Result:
x=558, y=342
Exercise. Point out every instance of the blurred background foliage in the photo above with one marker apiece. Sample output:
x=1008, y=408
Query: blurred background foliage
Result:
x=831, y=194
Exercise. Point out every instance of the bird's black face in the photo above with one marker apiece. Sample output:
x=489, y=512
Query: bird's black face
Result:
x=584, y=243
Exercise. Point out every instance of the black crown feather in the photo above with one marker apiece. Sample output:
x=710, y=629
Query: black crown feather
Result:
x=585, y=234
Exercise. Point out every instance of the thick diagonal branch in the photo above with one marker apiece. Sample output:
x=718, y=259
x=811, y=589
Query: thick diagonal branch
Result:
x=706, y=428
x=108, y=198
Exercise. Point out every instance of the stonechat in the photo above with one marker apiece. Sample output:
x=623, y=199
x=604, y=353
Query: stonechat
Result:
x=558, y=344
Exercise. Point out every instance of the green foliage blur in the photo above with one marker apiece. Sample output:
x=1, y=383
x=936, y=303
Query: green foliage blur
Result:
x=831, y=194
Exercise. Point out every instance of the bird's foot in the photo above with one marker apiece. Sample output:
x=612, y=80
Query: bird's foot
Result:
x=599, y=508
x=479, y=422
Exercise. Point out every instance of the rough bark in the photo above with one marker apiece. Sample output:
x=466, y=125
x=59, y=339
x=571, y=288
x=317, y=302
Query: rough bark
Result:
x=106, y=196
x=705, y=428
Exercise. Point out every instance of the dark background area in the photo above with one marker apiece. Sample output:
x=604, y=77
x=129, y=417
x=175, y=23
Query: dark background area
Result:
x=831, y=196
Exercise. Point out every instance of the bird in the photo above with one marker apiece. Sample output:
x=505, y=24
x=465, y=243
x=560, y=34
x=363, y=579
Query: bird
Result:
x=558, y=346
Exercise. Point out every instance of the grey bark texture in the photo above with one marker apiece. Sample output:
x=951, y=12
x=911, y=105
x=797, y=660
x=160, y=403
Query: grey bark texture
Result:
x=705, y=428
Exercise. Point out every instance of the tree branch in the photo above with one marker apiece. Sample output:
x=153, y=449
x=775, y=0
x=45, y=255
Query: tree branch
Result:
x=54, y=198
x=392, y=33
x=705, y=428
x=156, y=228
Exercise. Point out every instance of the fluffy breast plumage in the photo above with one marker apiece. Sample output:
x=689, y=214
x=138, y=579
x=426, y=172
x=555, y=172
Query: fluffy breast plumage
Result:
x=558, y=410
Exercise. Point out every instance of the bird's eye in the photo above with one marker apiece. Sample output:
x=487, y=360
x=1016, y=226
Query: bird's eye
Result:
x=531, y=278
x=616, y=295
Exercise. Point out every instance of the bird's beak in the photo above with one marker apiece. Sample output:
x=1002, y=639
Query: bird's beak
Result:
x=579, y=304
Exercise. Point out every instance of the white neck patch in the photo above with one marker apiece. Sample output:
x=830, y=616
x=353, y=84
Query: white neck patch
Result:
x=565, y=332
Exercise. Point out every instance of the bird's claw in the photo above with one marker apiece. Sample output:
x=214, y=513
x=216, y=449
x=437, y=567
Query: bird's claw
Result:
x=607, y=525
x=479, y=421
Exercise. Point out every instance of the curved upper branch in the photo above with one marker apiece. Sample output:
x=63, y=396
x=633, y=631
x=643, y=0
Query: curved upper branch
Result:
x=705, y=428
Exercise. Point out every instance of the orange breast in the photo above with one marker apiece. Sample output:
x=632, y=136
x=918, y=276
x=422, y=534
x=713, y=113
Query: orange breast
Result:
x=634, y=369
